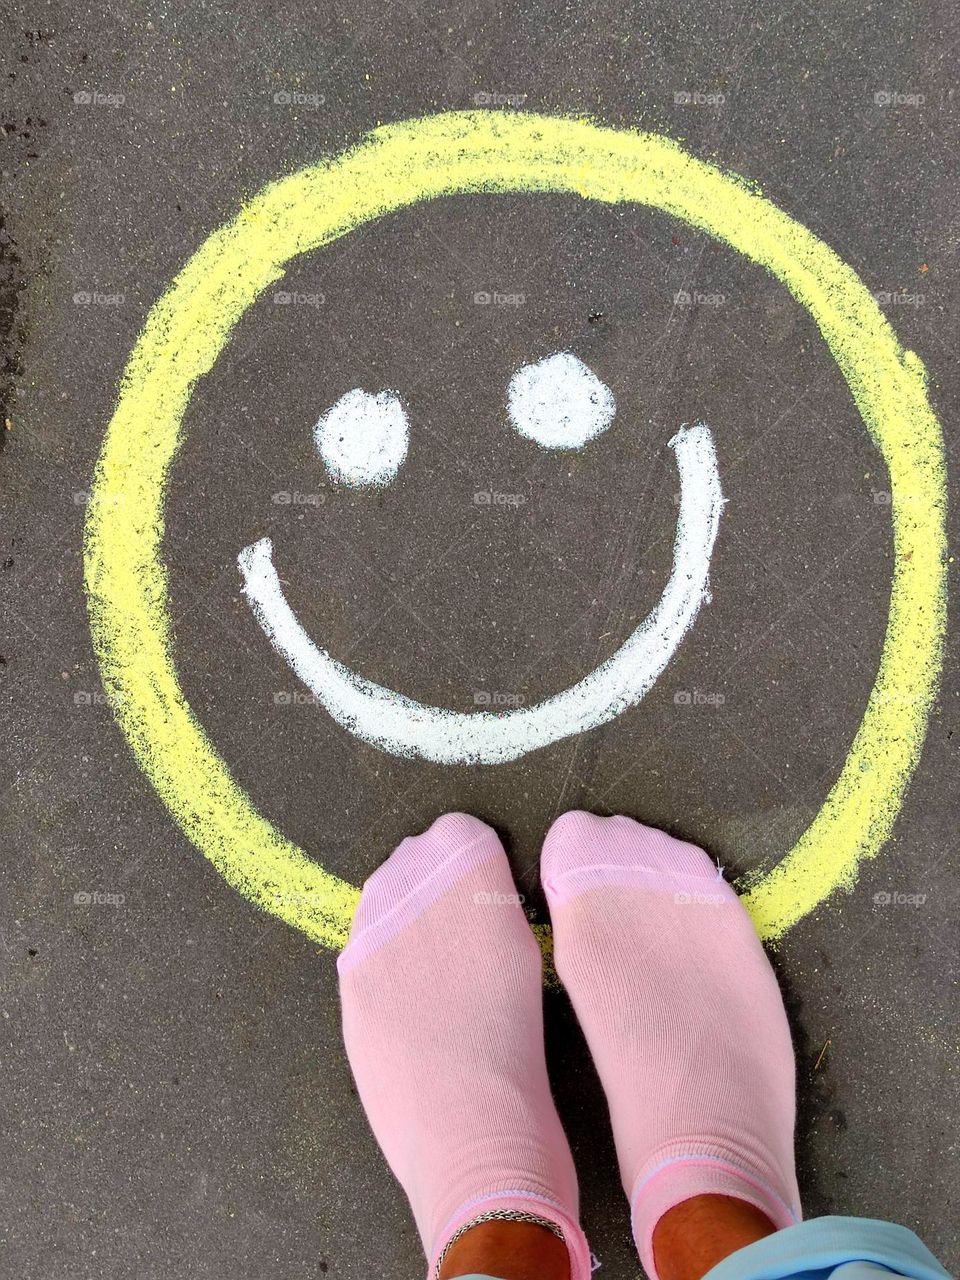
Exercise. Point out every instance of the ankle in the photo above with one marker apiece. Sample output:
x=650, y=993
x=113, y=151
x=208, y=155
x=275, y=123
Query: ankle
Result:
x=510, y=1250
x=698, y=1233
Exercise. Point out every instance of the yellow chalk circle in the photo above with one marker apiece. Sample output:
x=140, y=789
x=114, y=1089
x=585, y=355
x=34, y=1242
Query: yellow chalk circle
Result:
x=453, y=154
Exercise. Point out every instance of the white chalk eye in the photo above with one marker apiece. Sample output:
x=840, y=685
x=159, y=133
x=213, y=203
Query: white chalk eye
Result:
x=559, y=402
x=363, y=438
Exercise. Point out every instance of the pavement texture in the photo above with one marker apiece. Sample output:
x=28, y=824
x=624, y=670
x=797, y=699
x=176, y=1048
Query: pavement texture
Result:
x=177, y=1102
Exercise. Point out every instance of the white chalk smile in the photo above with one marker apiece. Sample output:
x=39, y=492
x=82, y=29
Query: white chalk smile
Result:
x=394, y=722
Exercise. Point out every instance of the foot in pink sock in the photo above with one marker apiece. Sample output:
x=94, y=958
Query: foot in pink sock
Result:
x=683, y=1016
x=443, y=1023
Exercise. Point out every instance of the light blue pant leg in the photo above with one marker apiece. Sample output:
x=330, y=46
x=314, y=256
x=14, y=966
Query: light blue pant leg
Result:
x=842, y=1248
x=829, y=1249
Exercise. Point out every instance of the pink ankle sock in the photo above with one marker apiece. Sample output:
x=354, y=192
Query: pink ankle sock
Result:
x=443, y=1023
x=683, y=1016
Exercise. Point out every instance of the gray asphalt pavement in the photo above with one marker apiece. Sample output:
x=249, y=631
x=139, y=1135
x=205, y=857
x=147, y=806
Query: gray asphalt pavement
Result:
x=176, y=1099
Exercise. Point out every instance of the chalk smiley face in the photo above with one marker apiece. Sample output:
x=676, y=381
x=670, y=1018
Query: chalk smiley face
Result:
x=559, y=403
x=461, y=153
